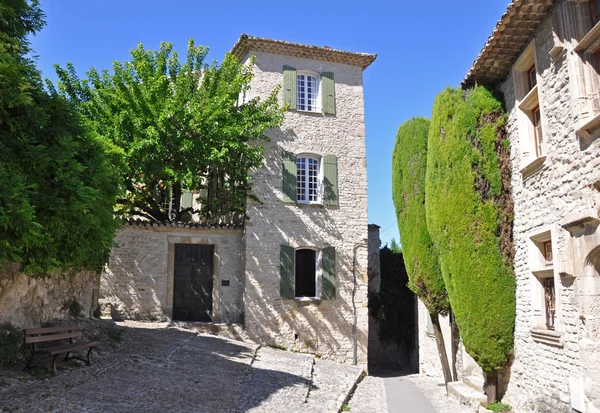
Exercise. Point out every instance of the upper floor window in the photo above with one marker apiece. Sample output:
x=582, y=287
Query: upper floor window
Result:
x=308, y=180
x=531, y=78
x=308, y=92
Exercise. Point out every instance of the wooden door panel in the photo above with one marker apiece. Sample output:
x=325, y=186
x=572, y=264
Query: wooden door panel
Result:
x=193, y=282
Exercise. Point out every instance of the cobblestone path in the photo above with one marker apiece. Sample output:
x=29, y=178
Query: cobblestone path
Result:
x=174, y=370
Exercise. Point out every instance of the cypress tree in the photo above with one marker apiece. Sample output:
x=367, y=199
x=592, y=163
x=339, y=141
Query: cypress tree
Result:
x=469, y=216
x=409, y=167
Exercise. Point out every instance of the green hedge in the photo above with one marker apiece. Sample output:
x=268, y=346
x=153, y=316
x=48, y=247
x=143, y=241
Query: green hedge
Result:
x=469, y=216
x=409, y=166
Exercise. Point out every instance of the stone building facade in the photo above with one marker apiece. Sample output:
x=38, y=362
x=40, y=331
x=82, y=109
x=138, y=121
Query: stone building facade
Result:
x=543, y=58
x=296, y=273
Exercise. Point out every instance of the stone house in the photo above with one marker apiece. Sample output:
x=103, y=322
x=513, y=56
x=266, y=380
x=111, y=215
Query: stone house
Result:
x=544, y=58
x=294, y=273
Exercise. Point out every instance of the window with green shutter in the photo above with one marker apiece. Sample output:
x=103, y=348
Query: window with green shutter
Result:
x=286, y=264
x=330, y=180
x=289, y=177
x=290, y=92
x=328, y=92
x=329, y=283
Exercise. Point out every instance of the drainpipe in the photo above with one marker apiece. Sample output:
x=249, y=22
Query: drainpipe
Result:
x=363, y=244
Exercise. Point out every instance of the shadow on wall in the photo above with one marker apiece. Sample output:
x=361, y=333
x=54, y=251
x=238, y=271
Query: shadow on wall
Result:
x=324, y=327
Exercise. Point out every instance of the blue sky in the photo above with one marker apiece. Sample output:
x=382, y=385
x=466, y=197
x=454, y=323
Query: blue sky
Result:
x=423, y=46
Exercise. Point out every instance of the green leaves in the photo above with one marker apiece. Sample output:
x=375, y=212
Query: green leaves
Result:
x=177, y=125
x=469, y=217
x=58, y=187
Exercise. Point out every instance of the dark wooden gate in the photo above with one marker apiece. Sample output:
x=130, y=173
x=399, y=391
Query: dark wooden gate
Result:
x=193, y=287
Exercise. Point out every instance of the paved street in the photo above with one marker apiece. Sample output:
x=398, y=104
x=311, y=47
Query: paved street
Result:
x=159, y=369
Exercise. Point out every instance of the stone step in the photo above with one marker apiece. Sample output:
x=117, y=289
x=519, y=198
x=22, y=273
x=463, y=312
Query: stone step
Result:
x=475, y=382
x=465, y=394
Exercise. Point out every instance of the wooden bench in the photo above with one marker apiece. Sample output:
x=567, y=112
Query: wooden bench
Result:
x=61, y=334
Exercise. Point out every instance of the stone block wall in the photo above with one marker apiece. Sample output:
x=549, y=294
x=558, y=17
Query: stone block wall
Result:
x=138, y=280
x=326, y=327
x=546, y=377
x=26, y=302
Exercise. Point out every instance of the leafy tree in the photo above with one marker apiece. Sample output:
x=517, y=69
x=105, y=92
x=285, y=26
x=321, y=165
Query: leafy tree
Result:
x=58, y=189
x=180, y=126
x=469, y=216
x=409, y=166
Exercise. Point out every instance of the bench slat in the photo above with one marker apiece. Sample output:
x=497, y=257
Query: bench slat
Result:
x=51, y=337
x=43, y=330
x=68, y=347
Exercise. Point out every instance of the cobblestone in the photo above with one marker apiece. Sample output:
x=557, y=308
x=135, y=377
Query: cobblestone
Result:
x=160, y=368
x=369, y=396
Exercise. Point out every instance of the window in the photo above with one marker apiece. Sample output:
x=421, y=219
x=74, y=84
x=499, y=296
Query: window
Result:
x=549, y=302
x=537, y=131
x=531, y=139
x=308, y=180
x=305, y=273
x=548, y=252
x=532, y=78
x=308, y=92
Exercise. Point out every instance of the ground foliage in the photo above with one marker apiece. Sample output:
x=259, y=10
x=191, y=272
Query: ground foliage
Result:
x=469, y=216
x=409, y=166
x=179, y=126
x=394, y=305
x=57, y=186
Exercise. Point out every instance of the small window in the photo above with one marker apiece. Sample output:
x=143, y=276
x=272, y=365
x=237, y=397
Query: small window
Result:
x=306, y=273
x=549, y=302
x=548, y=252
x=308, y=92
x=537, y=131
x=531, y=77
x=308, y=180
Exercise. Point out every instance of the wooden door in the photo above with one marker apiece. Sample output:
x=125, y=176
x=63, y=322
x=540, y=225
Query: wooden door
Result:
x=193, y=286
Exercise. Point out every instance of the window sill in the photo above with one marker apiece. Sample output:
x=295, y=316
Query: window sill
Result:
x=591, y=41
x=533, y=167
x=530, y=101
x=590, y=126
x=309, y=112
x=546, y=272
x=549, y=337
x=307, y=300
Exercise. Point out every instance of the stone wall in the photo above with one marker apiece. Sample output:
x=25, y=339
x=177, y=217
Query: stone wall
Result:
x=26, y=302
x=548, y=373
x=326, y=327
x=138, y=280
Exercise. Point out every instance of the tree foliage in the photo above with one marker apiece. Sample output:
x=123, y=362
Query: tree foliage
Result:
x=469, y=216
x=58, y=190
x=179, y=126
x=409, y=166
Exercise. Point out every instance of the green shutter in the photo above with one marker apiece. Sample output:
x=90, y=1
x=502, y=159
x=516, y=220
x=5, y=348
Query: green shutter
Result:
x=330, y=180
x=328, y=90
x=187, y=200
x=289, y=177
x=329, y=280
x=287, y=286
x=289, y=86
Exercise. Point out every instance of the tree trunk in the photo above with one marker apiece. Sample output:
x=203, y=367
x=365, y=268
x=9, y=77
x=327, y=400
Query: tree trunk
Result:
x=439, y=339
x=491, y=386
x=455, y=337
